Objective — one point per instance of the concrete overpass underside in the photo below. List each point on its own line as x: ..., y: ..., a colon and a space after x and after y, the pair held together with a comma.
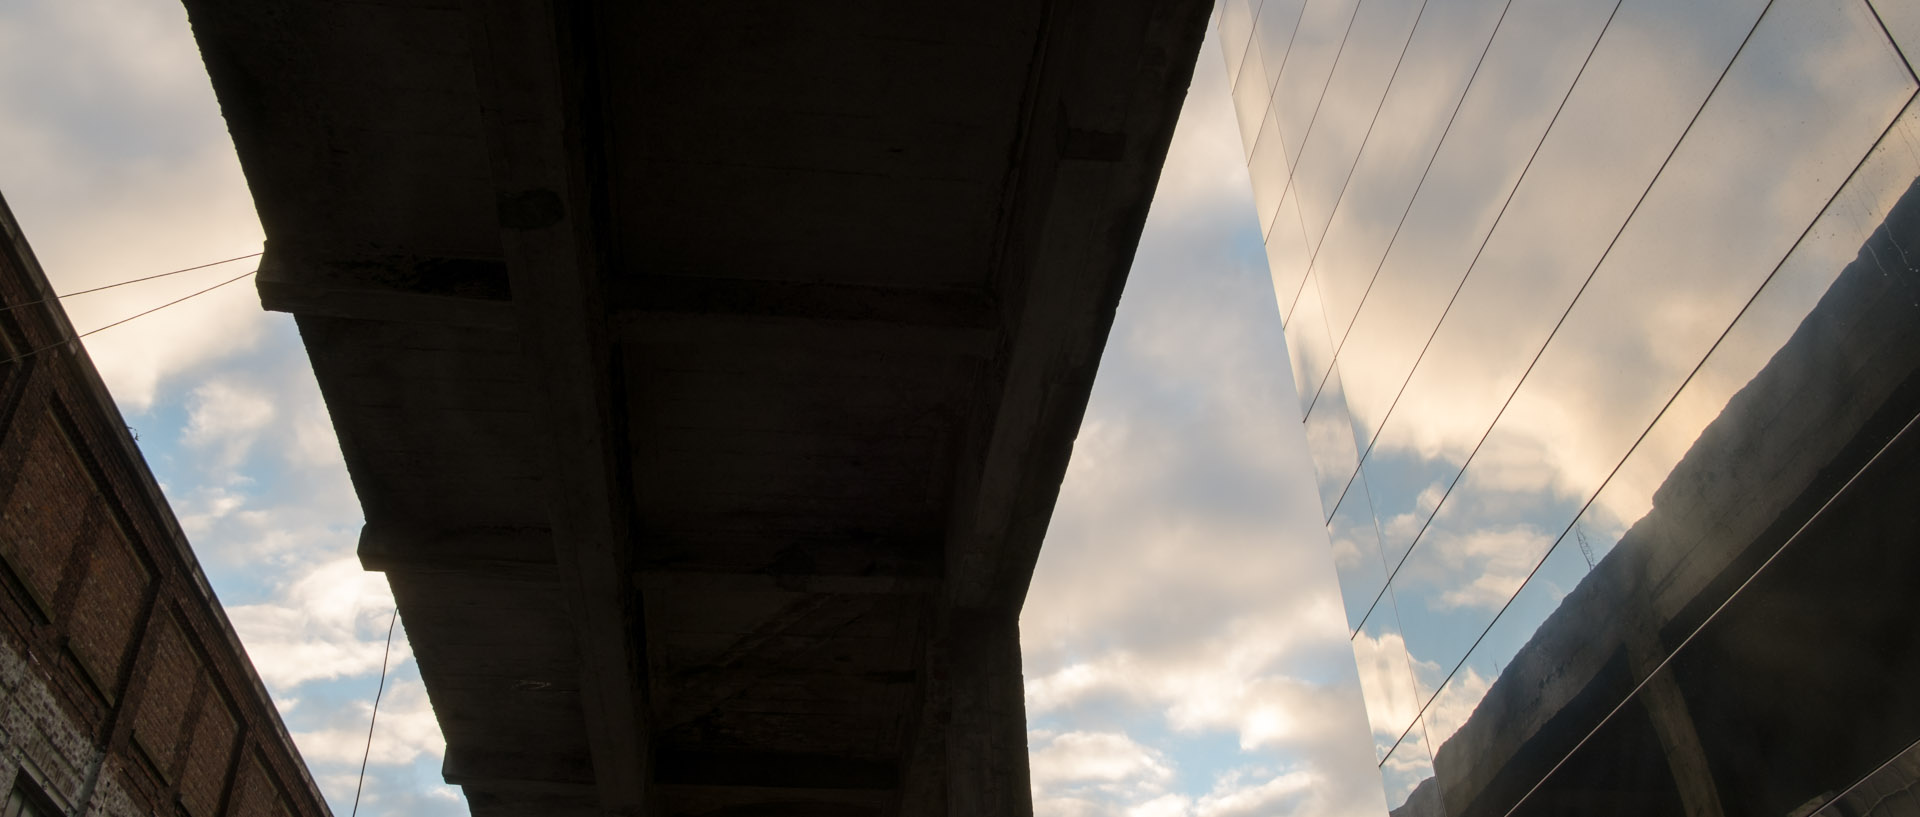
x: 707, y: 371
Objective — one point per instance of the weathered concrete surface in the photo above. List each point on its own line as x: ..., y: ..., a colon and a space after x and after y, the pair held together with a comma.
x: 707, y: 371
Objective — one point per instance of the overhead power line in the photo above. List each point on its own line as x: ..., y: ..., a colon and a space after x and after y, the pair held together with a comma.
x: 60, y: 343
x: 375, y: 718
x: 65, y: 296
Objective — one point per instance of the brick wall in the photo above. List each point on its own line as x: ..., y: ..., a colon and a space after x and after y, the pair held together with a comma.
x: 123, y: 690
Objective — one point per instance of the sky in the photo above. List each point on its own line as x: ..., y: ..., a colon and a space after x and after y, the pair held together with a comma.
x: 1184, y: 642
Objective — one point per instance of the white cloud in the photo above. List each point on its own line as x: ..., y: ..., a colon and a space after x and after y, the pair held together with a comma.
x: 228, y: 416
x: 1166, y: 805
x: 1098, y: 759
x: 327, y: 623
x: 1279, y: 795
x: 1187, y: 582
x: 132, y: 174
x: 404, y: 730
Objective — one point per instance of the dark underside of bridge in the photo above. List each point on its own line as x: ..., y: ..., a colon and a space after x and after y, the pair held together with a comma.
x: 707, y: 370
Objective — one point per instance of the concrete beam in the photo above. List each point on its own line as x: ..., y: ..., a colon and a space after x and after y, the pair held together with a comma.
x: 537, y: 72
x: 772, y: 770
x: 692, y: 309
x: 1086, y: 170
x: 407, y: 289
x: 517, y: 772
x: 514, y: 553
x: 848, y: 585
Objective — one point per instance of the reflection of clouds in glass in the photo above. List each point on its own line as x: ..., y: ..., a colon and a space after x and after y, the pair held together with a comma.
x: 1527, y: 69
x: 1425, y: 92
x: 1619, y: 354
x: 1451, y: 708
x: 1483, y: 567
x: 1408, y: 767
x: 1385, y: 684
x: 1348, y: 106
x: 1706, y: 234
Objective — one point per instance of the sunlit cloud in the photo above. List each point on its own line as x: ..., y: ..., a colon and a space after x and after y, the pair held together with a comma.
x: 1185, y: 595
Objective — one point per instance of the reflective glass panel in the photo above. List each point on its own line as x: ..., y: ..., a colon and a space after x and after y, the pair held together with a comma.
x: 1273, y: 35
x: 1268, y: 169
x: 1303, y: 80
x: 1902, y: 19
x: 1802, y: 388
x: 1286, y: 257
x: 1307, y: 346
x: 1408, y: 776
x: 1360, y: 77
x: 1889, y: 792
x: 1706, y: 236
x: 1397, y: 473
x: 1797, y: 687
x: 1528, y: 69
x: 1330, y: 442
x: 1425, y: 93
x: 1609, y: 141
x: 1249, y: 101
x: 1236, y: 31
x: 1385, y: 682
x: 1356, y: 554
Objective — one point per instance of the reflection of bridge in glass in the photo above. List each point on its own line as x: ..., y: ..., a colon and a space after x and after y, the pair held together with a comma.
x: 1681, y: 677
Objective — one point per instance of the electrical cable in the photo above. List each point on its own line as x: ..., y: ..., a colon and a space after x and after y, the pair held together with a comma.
x: 60, y: 343
x: 11, y: 307
x: 375, y: 718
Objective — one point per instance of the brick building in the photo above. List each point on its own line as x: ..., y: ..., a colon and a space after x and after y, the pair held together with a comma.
x: 123, y: 689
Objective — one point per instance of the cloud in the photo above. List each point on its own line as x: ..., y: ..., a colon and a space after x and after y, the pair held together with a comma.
x: 132, y: 174
x: 1279, y: 795
x: 228, y: 416
x: 404, y: 730
x: 1183, y: 640
x: 327, y: 623
x: 1108, y: 760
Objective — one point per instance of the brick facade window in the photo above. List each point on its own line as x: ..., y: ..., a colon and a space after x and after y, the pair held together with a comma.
x: 27, y: 800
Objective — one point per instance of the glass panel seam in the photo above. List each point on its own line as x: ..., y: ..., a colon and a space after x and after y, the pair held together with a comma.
x: 1411, y: 678
x: 1891, y: 40
x: 1287, y: 190
x: 1320, y: 385
x: 1374, y: 520
x: 1891, y: 759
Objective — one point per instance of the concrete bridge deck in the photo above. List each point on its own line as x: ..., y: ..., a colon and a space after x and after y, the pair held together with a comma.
x: 707, y: 371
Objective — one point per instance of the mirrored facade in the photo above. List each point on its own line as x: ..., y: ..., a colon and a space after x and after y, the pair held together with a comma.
x: 1605, y: 318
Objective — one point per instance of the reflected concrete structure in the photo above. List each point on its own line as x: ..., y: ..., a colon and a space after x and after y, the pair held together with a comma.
x: 1606, y: 324
x: 707, y: 371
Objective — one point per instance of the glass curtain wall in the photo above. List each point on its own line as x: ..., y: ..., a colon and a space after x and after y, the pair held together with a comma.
x: 1605, y: 319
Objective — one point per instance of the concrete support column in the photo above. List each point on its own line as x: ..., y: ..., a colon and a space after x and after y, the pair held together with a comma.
x: 968, y: 754
x: 1666, y: 705
x: 986, y: 743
